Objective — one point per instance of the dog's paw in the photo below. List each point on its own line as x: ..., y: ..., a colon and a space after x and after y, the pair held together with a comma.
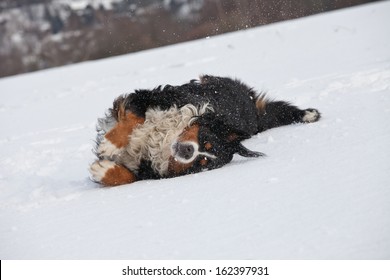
x: 109, y: 173
x: 108, y: 149
x: 99, y: 168
x: 311, y: 115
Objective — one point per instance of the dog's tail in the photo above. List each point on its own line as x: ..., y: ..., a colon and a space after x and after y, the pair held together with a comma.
x: 272, y: 113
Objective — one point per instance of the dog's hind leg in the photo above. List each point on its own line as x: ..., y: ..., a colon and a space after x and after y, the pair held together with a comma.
x: 117, y: 138
x: 278, y: 113
x: 109, y: 173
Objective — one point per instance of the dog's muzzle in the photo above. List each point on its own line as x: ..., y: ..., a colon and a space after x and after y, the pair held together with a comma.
x: 183, y: 150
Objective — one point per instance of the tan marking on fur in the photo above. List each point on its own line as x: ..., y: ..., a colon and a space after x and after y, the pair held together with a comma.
x: 208, y: 146
x: 119, y: 134
x: 203, y: 161
x: 118, y: 175
x: 176, y: 168
x: 261, y: 103
x: 190, y: 134
x: 231, y: 137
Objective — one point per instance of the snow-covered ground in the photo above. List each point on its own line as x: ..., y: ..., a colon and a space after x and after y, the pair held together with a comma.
x: 323, y: 191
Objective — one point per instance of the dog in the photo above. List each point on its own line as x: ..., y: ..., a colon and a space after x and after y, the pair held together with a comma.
x: 176, y: 130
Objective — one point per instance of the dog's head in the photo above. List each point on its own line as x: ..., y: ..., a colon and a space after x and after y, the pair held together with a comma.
x: 206, y: 144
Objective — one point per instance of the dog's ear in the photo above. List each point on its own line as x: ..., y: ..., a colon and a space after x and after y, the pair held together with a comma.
x: 240, y: 149
x: 245, y: 152
x: 232, y: 137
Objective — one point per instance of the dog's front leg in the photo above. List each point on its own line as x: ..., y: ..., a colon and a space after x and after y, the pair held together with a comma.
x: 111, y: 174
x: 117, y: 138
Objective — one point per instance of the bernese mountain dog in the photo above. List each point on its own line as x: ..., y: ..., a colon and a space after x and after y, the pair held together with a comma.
x: 176, y: 130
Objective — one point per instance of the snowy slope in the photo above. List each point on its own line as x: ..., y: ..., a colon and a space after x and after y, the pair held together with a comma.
x: 323, y: 191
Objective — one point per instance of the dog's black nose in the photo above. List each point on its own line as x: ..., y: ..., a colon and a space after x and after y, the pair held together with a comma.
x: 184, y: 150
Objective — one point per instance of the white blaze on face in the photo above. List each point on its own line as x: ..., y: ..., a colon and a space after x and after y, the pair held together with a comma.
x: 196, y: 153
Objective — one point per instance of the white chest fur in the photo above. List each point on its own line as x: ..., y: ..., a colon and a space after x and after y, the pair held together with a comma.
x: 153, y: 139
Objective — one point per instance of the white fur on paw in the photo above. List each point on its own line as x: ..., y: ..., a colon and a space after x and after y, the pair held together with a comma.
x: 311, y: 115
x: 107, y: 149
x: 99, y: 168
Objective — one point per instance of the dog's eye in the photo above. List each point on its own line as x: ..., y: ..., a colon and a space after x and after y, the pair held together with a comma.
x: 204, y: 161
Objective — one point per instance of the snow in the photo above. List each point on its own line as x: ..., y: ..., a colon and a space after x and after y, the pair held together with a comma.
x: 322, y: 192
x: 82, y: 4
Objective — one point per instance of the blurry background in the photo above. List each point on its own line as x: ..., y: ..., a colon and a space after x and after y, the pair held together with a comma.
x: 38, y: 34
